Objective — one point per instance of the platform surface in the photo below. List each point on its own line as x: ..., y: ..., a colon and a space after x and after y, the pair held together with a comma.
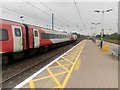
x: 97, y: 69
x: 84, y: 66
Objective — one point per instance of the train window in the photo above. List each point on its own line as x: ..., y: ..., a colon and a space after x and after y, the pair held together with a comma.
x: 46, y: 36
x: 61, y: 36
x: 50, y: 36
x: 64, y: 36
x: 3, y: 35
x: 17, y: 32
x: 58, y: 36
x: 36, y: 33
x: 42, y: 35
x: 53, y: 36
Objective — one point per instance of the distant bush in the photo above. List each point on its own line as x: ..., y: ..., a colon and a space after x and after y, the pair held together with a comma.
x: 114, y: 36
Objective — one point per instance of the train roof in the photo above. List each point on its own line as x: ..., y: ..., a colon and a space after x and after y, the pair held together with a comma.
x: 15, y: 22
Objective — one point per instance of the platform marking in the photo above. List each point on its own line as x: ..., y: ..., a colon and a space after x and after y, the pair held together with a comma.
x: 46, y: 67
x: 77, y: 66
x: 53, y: 76
x: 67, y: 60
x: 46, y: 77
x: 72, y: 56
x: 68, y: 76
x: 38, y: 72
x: 32, y: 85
x: 38, y: 79
x: 62, y: 66
x: 59, y: 66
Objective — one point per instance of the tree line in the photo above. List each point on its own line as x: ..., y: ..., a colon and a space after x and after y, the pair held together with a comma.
x: 114, y: 36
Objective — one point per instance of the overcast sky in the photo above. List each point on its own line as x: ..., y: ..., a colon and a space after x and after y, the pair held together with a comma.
x: 38, y: 12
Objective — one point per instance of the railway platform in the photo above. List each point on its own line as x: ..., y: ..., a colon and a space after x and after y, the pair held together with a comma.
x: 83, y: 66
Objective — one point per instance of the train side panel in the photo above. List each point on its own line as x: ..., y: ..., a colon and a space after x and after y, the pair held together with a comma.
x: 44, y: 41
x: 53, y: 37
x: 6, y: 39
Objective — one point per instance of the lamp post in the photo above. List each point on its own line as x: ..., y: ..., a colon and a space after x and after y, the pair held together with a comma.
x: 102, y: 31
x: 52, y: 21
x: 95, y: 24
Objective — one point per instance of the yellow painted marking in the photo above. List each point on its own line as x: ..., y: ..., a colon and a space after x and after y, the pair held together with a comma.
x: 31, y: 83
x: 66, y: 79
x: 74, y: 53
x: 67, y: 60
x: 59, y: 66
x: 77, y: 66
x: 38, y: 79
x: 72, y: 56
x: 62, y: 66
x: 54, y: 66
x: 42, y: 78
x: 54, y: 78
x: 61, y: 73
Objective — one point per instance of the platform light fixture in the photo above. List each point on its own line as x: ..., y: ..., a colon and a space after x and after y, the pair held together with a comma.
x: 102, y: 31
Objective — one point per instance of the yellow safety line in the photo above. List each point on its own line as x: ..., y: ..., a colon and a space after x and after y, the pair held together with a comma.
x: 75, y: 51
x: 77, y: 65
x: 38, y: 79
x: 54, y: 66
x: 55, y: 79
x: 59, y: 66
x: 60, y: 73
x: 31, y: 83
x: 66, y: 79
x: 67, y: 60
x: 42, y: 78
x: 73, y: 54
x: 70, y: 56
x: 62, y: 66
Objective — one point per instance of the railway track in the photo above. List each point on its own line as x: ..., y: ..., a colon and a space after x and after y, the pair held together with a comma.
x: 13, y: 79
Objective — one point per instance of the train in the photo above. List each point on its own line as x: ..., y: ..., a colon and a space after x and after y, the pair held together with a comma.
x: 18, y: 40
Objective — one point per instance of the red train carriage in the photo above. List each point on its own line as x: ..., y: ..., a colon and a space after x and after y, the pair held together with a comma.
x: 19, y: 40
x: 12, y: 38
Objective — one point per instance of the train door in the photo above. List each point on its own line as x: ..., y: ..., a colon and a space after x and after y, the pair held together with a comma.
x: 17, y: 38
x: 36, y: 38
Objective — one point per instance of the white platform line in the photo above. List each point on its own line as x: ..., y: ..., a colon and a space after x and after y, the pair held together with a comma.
x: 38, y: 72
